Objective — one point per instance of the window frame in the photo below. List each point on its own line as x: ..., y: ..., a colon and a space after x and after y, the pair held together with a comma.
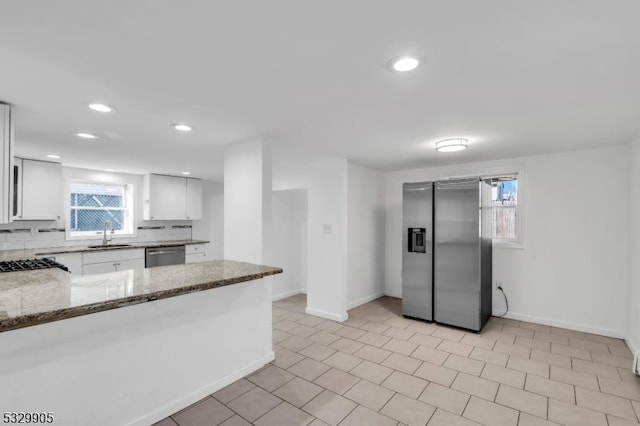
x: 129, y: 230
x: 510, y: 242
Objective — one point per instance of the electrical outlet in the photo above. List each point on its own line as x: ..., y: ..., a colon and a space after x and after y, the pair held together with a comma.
x: 326, y: 228
x: 499, y: 284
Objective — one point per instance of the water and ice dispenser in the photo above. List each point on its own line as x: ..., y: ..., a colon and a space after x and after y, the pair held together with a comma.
x: 417, y: 240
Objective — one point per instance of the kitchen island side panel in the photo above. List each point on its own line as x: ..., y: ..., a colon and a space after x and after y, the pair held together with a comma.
x: 138, y: 364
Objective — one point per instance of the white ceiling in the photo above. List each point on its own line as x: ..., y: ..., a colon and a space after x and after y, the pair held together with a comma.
x: 515, y: 77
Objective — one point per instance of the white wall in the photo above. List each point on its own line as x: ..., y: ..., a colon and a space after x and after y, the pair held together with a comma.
x: 633, y: 295
x: 288, y: 247
x: 325, y: 178
x: 247, y: 200
x: 365, y: 245
x: 572, y: 271
x: 211, y: 226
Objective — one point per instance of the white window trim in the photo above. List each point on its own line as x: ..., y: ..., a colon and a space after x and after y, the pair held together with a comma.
x: 129, y: 232
x: 516, y: 169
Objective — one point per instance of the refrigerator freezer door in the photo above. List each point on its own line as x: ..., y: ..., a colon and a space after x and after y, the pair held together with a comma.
x: 457, y: 253
x: 417, y: 250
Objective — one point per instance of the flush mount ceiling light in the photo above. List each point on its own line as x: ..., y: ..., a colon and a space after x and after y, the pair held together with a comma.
x: 181, y: 127
x: 404, y: 63
x: 53, y: 156
x: 86, y: 135
x: 186, y: 173
x: 101, y: 107
x: 451, y: 145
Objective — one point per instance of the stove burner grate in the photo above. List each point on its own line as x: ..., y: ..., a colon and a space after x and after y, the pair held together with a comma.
x: 30, y: 265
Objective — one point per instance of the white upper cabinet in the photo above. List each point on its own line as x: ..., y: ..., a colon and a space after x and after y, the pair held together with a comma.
x: 38, y: 190
x: 165, y: 197
x: 6, y: 160
x: 172, y: 198
x: 194, y: 199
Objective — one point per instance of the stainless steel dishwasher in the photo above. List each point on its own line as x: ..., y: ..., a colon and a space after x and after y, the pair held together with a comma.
x: 161, y: 256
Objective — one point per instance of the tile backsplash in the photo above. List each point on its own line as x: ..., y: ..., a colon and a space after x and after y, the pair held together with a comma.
x: 29, y: 235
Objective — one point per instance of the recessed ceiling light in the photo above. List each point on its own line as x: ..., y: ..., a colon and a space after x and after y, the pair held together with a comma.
x: 181, y: 127
x: 101, y: 107
x: 53, y: 156
x: 109, y: 170
x: 451, y: 145
x: 186, y: 173
x: 86, y: 136
x: 404, y: 63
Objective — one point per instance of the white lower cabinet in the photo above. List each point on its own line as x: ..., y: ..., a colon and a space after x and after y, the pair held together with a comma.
x: 130, y: 264
x: 99, y: 262
x: 73, y: 261
x: 99, y: 268
x: 195, y: 253
x: 103, y: 261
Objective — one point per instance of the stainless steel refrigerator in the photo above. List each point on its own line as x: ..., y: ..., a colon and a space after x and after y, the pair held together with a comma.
x: 417, y: 254
x: 450, y: 282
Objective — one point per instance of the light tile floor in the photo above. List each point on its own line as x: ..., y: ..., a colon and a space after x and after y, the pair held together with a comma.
x: 379, y: 368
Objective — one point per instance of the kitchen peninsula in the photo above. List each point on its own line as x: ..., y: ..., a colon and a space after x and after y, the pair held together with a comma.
x: 130, y: 347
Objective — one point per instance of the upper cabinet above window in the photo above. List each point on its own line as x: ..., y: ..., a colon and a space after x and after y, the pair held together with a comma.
x: 172, y: 198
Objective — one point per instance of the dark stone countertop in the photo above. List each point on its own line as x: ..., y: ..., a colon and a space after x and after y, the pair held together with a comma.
x: 36, y: 297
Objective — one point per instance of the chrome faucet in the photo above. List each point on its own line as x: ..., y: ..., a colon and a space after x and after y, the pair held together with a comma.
x: 105, y: 241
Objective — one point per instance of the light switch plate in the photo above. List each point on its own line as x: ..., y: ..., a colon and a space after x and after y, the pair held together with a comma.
x: 326, y: 228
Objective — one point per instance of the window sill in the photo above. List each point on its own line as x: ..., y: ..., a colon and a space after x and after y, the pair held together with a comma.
x: 99, y: 237
x: 510, y: 245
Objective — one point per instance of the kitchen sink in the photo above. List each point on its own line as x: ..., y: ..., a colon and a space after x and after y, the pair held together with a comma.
x: 109, y: 245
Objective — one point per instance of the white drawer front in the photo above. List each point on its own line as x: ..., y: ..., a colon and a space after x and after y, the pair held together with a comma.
x: 196, y: 257
x: 112, y: 255
x: 195, y: 248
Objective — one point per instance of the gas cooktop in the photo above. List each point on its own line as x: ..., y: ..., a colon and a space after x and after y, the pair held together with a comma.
x: 30, y: 265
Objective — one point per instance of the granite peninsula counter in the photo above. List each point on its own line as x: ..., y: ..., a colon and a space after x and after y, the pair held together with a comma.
x: 130, y: 347
x: 35, y: 297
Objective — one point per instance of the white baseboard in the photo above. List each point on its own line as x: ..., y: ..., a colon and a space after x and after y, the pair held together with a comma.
x: 364, y: 300
x: 197, y: 395
x: 285, y: 295
x: 327, y: 315
x: 635, y: 350
x: 564, y: 324
x: 632, y: 346
x: 396, y: 294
